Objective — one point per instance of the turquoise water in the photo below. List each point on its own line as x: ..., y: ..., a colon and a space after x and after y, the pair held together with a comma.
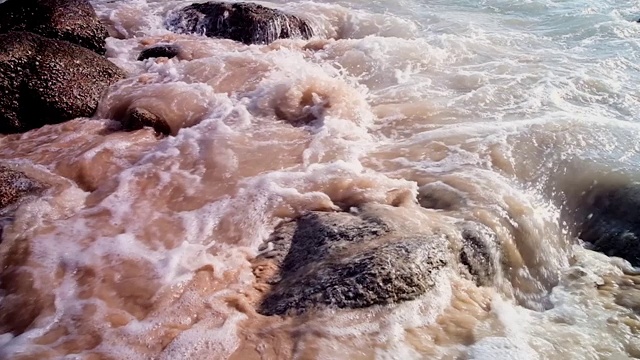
x: 545, y: 62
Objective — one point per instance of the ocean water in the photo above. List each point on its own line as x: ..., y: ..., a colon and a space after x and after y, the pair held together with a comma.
x: 504, y: 110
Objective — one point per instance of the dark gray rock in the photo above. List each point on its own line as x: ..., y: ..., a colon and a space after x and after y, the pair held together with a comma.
x: 136, y: 118
x: 245, y: 22
x: 70, y: 20
x: 611, y: 222
x: 44, y: 81
x: 168, y: 51
x: 343, y: 260
x: 479, y: 255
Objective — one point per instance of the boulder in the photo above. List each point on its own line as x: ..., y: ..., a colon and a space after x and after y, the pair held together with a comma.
x: 71, y: 20
x: 45, y: 81
x: 345, y: 260
x: 245, y: 22
x: 611, y: 222
x: 168, y: 51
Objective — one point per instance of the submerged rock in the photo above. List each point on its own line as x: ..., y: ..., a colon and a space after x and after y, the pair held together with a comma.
x: 136, y: 118
x: 245, y: 22
x: 14, y: 185
x: 612, y: 222
x: 478, y: 254
x: 70, y: 20
x: 45, y: 81
x: 345, y: 260
x: 168, y: 51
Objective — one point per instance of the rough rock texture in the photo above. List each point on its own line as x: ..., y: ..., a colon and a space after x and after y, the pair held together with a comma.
x: 612, y: 222
x: 168, y: 51
x: 245, y: 22
x: 71, y: 20
x: 44, y: 81
x: 351, y: 261
x: 479, y: 252
x: 136, y: 118
x: 14, y: 185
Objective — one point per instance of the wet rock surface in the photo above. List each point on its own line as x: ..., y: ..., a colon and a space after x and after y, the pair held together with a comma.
x: 70, y: 20
x: 169, y: 51
x: 45, y: 81
x: 136, y: 118
x: 345, y: 260
x: 14, y: 185
x: 245, y: 22
x: 478, y: 254
x: 612, y: 222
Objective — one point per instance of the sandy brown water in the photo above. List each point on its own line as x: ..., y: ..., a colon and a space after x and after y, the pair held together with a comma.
x: 142, y: 246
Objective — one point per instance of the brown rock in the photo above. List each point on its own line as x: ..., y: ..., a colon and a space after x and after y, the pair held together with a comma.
x: 14, y: 185
x: 44, y: 81
x: 71, y: 20
x: 245, y: 22
x: 137, y: 118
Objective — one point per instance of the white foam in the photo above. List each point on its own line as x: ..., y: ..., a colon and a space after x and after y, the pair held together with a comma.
x: 469, y: 96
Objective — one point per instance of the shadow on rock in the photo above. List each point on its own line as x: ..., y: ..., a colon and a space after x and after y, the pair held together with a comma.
x: 245, y: 22
x: 478, y: 253
x: 167, y: 50
x: 137, y: 118
x: 611, y: 221
x: 345, y: 260
x: 45, y: 81
x: 70, y: 20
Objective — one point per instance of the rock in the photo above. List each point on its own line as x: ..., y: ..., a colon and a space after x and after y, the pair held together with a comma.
x: 70, y: 20
x: 14, y: 185
x: 136, y: 118
x: 343, y: 260
x: 168, y: 51
x: 479, y: 253
x: 44, y: 81
x: 440, y: 196
x: 611, y: 222
x: 245, y: 22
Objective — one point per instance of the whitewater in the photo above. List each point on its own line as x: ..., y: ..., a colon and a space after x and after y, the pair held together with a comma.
x: 501, y: 112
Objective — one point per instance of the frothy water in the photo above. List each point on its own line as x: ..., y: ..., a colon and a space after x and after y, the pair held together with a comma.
x: 496, y: 111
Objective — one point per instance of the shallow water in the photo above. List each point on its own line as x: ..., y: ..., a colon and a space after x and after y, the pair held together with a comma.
x: 496, y: 111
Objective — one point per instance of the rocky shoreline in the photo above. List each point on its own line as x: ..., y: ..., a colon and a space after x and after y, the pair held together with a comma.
x: 53, y: 69
x: 49, y: 73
